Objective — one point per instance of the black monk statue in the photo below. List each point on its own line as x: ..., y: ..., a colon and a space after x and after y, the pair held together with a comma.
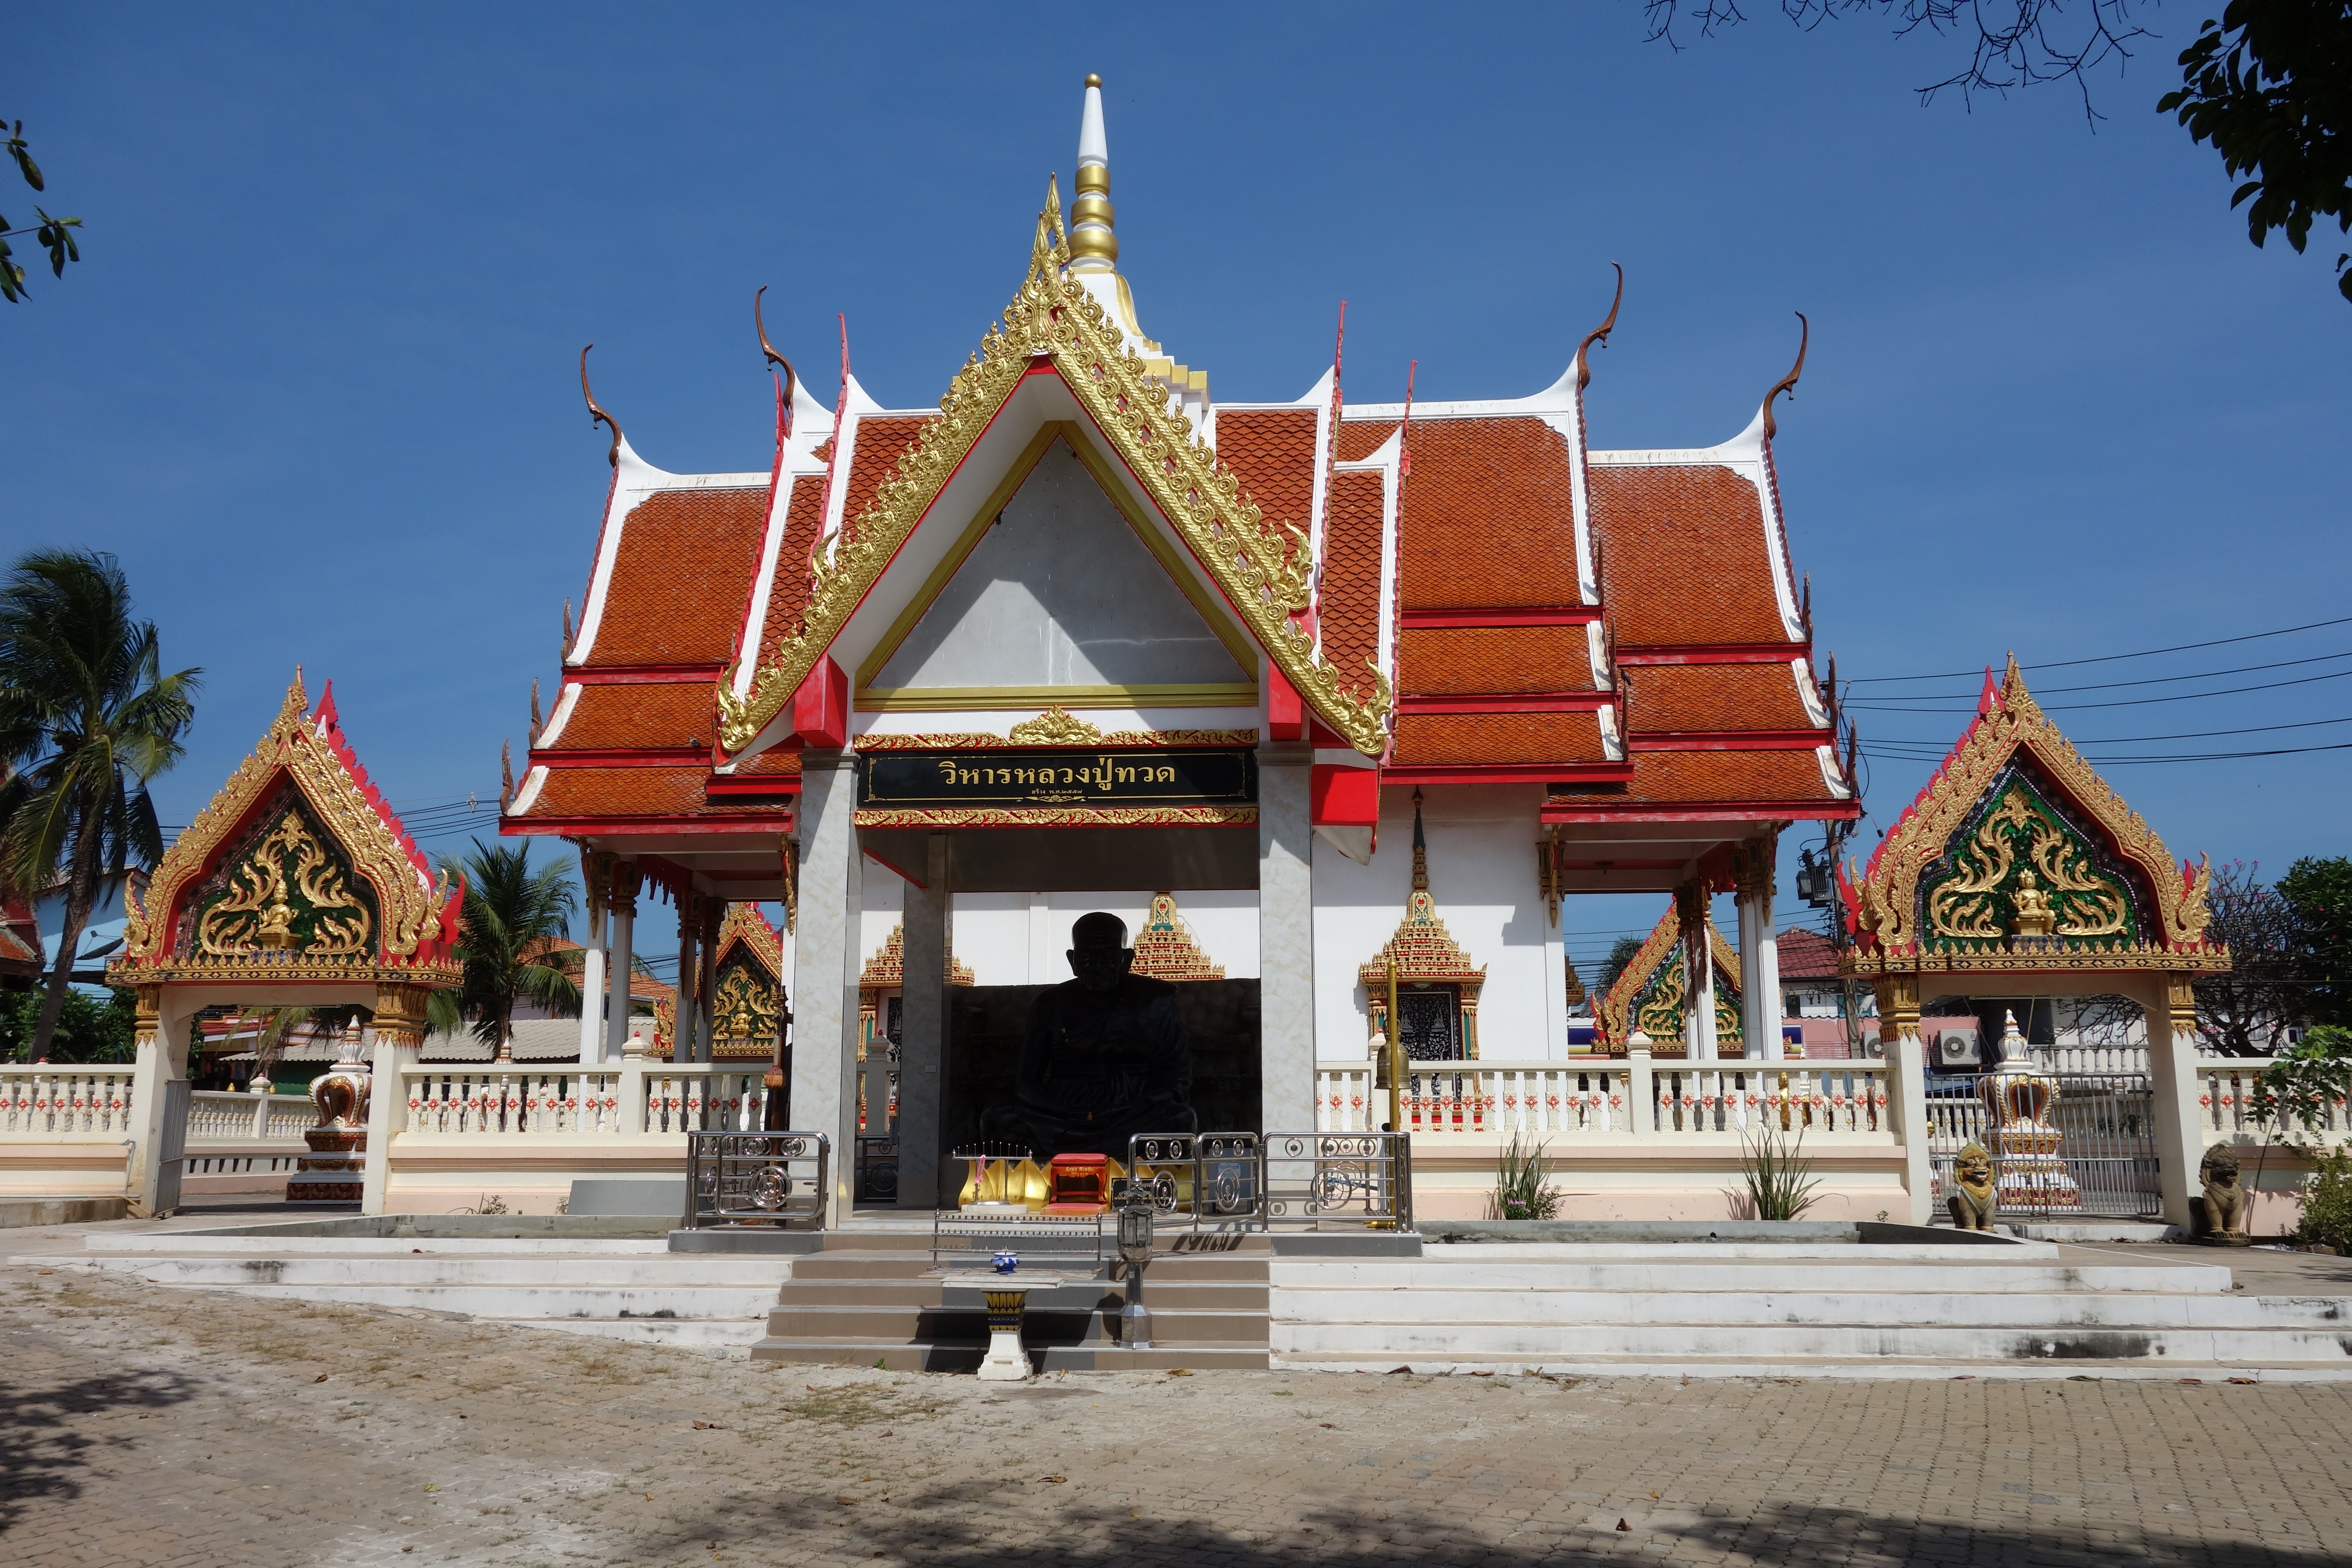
x: 1104, y: 1059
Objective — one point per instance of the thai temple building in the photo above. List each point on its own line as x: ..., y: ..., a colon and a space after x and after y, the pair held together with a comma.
x: 1332, y: 677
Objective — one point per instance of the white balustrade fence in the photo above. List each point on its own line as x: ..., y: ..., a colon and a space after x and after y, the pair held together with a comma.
x: 43, y: 1100
x: 1623, y: 1096
x: 2118, y: 1058
x: 633, y: 1096
x: 219, y: 1117
x: 2227, y: 1111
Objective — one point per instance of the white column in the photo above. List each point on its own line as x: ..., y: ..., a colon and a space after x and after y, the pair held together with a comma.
x: 824, y: 1030
x: 922, y: 1025
x: 162, y: 1056
x: 591, y: 987
x: 1907, y: 1089
x: 1046, y: 964
x: 1759, y: 956
x: 625, y: 919
x: 1285, y: 935
x: 2170, y: 1005
x: 706, y: 990
x: 682, y: 1049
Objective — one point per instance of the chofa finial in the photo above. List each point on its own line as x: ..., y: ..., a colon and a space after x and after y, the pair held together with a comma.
x: 792, y: 380
x: 1599, y: 334
x: 1789, y: 383
x: 596, y: 415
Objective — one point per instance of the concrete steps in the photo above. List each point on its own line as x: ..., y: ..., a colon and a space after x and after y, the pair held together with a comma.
x: 626, y: 1291
x: 1835, y: 1312
x: 864, y: 1302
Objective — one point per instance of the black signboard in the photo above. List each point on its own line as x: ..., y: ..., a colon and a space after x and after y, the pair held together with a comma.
x: 1012, y: 779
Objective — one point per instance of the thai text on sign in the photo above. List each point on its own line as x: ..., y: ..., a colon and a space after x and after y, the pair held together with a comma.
x: 1225, y: 777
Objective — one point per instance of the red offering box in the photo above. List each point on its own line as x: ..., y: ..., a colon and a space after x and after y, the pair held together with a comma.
x: 1080, y: 1183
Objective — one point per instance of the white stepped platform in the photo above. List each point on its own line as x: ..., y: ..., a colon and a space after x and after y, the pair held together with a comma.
x: 631, y: 1291
x: 1846, y: 1312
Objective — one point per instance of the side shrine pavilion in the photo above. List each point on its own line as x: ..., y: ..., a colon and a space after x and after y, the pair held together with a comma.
x: 1079, y: 626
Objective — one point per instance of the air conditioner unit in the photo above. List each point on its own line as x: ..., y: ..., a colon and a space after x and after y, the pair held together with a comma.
x: 1958, y: 1049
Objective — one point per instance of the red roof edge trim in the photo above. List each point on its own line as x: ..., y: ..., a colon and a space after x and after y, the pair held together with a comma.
x: 324, y: 717
x: 1508, y: 702
x: 1571, y: 809
x: 621, y: 757
x: 1727, y: 740
x: 1565, y: 615
x: 644, y: 674
x: 1511, y: 773
x: 778, y: 821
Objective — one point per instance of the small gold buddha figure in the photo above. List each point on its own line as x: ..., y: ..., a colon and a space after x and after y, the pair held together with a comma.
x: 2034, y: 916
x: 275, y: 930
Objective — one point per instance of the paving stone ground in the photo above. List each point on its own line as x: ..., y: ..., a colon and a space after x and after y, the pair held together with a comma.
x: 156, y: 1427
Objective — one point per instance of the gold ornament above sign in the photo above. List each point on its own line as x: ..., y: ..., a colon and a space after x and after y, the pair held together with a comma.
x: 1265, y: 576
x: 1026, y: 734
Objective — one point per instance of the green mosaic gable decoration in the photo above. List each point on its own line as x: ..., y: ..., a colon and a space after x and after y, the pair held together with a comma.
x: 284, y: 887
x: 2019, y: 867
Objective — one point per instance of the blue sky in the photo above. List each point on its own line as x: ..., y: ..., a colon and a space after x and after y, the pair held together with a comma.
x: 315, y: 382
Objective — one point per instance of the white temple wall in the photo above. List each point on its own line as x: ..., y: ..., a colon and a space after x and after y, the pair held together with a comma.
x: 1021, y: 938
x: 1482, y: 873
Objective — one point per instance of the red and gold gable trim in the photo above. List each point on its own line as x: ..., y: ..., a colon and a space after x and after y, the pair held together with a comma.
x: 745, y: 927
x: 1053, y: 319
x: 1165, y: 949
x: 2017, y: 854
x: 1616, y: 1014
x: 288, y: 911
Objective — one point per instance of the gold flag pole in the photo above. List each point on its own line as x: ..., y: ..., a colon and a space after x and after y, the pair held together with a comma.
x: 1396, y: 1055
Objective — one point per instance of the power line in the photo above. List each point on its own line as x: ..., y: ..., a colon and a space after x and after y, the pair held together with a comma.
x: 2134, y: 740
x: 2187, y: 757
x: 1971, y: 696
x: 2122, y: 703
x: 2111, y: 658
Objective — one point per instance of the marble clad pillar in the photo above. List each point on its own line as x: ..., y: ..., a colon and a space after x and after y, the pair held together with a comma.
x: 623, y: 902
x: 398, y: 1034
x: 1285, y: 935
x: 706, y: 1015
x: 689, y: 972
x: 922, y: 1056
x: 596, y: 878
x: 1906, y: 1086
x: 825, y: 966
x: 1759, y: 950
x: 1698, y: 973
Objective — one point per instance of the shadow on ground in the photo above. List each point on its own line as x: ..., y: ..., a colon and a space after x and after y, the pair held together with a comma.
x: 959, y: 1535
x: 42, y: 1457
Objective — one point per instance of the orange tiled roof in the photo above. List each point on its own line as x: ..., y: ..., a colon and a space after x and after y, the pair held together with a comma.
x: 1688, y: 778
x: 1714, y: 698
x: 641, y: 792
x: 1350, y: 597
x: 680, y: 578
x: 788, y: 593
x: 1272, y: 452
x: 1434, y: 660
x: 1682, y: 556
x: 1477, y: 740
x: 633, y: 716
x: 1487, y: 523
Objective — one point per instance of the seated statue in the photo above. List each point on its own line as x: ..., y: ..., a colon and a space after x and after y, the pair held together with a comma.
x: 1973, y: 1203
x: 1104, y: 1057
x: 2219, y: 1210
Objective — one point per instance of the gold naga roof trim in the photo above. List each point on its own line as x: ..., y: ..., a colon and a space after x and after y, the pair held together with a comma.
x: 2017, y: 856
x: 1056, y: 319
x: 295, y: 870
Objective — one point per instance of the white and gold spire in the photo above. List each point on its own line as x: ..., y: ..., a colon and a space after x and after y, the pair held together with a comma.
x: 1094, y: 248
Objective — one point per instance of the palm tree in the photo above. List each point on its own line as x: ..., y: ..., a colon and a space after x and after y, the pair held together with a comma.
x: 512, y: 913
x: 86, y: 717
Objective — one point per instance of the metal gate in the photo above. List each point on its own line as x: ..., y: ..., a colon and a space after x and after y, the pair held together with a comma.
x: 2107, y: 1123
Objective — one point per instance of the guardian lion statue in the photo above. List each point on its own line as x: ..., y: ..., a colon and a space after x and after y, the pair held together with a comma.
x: 1974, y: 1201
x: 2222, y: 1211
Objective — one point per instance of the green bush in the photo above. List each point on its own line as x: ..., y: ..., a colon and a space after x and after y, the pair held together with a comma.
x: 1520, y: 1191
x: 88, y: 1030
x: 2327, y: 1203
x: 1779, y: 1178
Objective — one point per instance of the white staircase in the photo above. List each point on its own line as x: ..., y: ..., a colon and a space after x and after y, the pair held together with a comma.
x: 634, y: 1289
x: 1872, y: 1311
